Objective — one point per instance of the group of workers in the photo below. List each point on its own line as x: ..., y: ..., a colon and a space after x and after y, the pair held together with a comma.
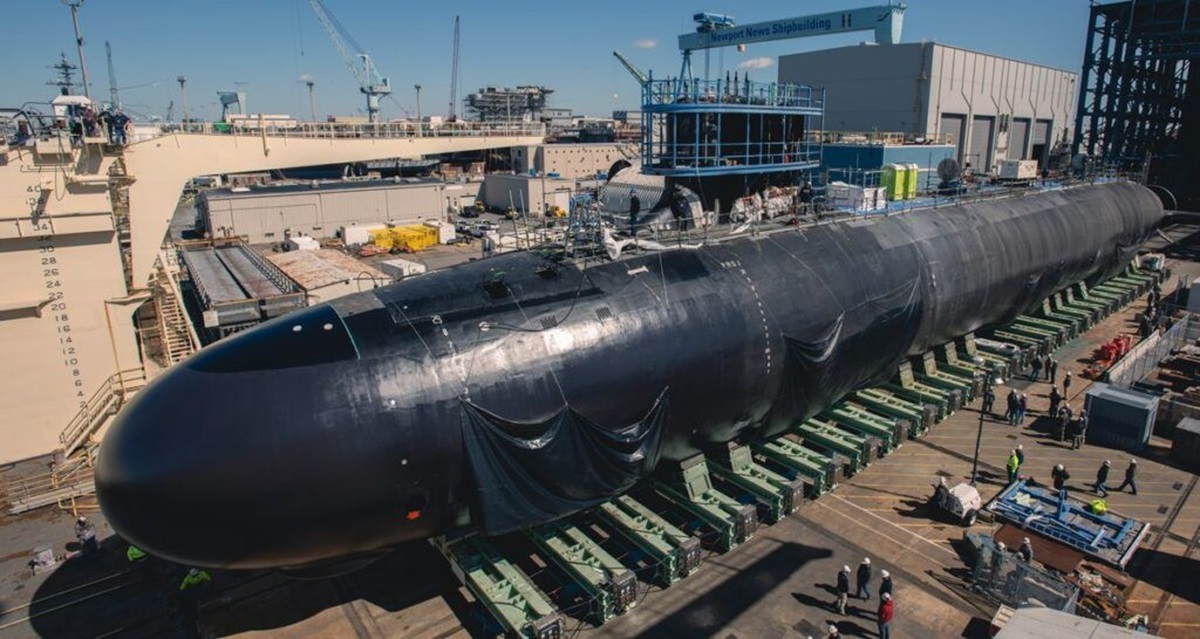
x: 862, y: 578
x: 85, y: 121
x: 89, y: 545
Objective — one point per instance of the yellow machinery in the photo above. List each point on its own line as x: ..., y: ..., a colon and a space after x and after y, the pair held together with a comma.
x: 405, y: 238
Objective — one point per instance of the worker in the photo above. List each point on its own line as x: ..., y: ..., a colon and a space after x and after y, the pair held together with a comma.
x: 1064, y: 420
x: 1014, y: 403
x: 1067, y: 384
x: 1055, y: 401
x: 1022, y: 407
x: 1013, y: 465
x: 194, y: 577
x: 863, y: 579
x: 885, y: 583
x: 989, y: 398
x: 1052, y: 371
x: 1020, y: 455
x: 85, y: 533
x: 1081, y: 424
x: 1026, y: 550
x: 1130, y: 473
x: 1102, y: 479
x: 833, y: 633
x: 886, y: 609
x: 135, y: 554
x: 1060, y: 477
x: 1035, y: 371
x: 843, y: 589
x: 806, y: 198
x: 635, y: 207
x: 998, y: 557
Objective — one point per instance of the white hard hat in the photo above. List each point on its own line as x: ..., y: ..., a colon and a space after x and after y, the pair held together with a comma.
x: 1025, y: 540
x: 1133, y: 461
x: 866, y: 560
x: 1000, y: 545
x: 833, y: 629
x: 885, y: 574
x: 1107, y: 463
x: 82, y: 519
x: 193, y: 572
x: 845, y: 568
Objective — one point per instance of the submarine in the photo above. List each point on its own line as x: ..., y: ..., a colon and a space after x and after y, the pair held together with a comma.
x: 519, y: 389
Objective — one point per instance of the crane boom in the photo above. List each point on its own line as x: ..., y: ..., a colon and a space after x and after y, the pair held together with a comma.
x: 637, y: 73
x: 370, y: 83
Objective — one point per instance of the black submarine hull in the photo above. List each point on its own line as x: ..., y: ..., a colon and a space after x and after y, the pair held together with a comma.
x: 516, y: 390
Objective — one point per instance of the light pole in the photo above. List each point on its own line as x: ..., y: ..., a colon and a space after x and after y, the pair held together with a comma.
x: 987, y: 386
x: 418, y: 88
x: 183, y: 91
x: 312, y: 101
x: 74, y: 5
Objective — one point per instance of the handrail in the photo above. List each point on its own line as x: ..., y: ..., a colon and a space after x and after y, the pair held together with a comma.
x: 289, y: 128
x: 114, y: 388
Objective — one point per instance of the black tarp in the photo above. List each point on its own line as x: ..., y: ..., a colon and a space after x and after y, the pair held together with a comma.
x: 533, y: 472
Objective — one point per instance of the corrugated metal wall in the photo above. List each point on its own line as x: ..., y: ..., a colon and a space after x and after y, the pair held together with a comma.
x: 263, y: 217
x: 983, y: 130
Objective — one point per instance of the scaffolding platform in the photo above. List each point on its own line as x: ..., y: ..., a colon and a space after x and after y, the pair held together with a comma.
x: 1108, y: 537
x: 237, y: 287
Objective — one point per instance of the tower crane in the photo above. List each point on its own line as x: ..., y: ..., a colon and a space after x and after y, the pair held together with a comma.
x: 370, y: 83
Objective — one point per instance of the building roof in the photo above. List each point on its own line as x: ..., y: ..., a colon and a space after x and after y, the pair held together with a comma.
x: 349, y: 185
x: 1044, y: 623
x: 931, y: 43
x: 316, y: 269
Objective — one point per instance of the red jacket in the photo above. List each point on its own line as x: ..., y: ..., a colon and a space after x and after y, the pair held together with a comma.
x: 885, y: 611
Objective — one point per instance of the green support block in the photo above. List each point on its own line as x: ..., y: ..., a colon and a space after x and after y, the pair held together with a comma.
x: 1062, y: 331
x: 780, y: 495
x: 859, y: 420
x: 1078, y: 324
x: 676, y: 555
x: 502, y: 588
x: 1000, y: 363
x: 693, y: 491
x: 611, y: 586
x: 857, y: 450
x: 823, y: 473
x: 908, y: 386
x: 919, y: 417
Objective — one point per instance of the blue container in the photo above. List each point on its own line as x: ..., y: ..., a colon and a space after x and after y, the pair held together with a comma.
x: 1120, y: 418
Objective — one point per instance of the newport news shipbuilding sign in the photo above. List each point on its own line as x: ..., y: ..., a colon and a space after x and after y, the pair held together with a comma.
x: 886, y: 22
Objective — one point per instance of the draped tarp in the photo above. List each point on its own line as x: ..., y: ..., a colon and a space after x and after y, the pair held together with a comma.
x: 528, y: 473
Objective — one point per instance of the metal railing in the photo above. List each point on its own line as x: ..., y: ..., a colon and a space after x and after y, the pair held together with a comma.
x: 1144, y: 358
x: 674, y: 91
x: 344, y: 131
x: 105, y: 401
x: 1005, y: 578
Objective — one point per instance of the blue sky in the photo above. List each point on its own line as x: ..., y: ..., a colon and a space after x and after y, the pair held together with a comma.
x: 264, y: 46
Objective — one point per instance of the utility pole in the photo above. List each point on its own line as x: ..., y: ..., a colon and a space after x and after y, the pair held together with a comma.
x: 454, y: 76
x: 113, y: 95
x: 74, y: 5
x: 418, y: 88
x: 182, y: 80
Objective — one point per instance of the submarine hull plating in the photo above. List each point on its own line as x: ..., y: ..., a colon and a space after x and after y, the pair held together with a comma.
x: 516, y: 390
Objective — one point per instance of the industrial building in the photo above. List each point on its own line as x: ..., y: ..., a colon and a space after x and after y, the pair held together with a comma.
x: 268, y: 214
x: 990, y: 108
x: 526, y: 193
x: 570, y: 161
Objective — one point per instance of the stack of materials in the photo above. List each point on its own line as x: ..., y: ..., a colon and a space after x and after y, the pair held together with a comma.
x: 841, y: 195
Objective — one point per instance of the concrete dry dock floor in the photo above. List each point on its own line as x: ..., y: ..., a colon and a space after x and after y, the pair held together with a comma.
x: 779, y: 584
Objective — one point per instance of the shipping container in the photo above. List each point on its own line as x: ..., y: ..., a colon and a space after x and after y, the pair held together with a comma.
x: 1119, y: 418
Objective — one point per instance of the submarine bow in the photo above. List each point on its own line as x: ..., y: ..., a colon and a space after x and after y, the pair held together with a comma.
x: 512, y: 391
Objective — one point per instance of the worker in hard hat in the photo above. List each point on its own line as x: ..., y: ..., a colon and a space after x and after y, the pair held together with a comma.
x: 85, y: 533
x: 635, y: 207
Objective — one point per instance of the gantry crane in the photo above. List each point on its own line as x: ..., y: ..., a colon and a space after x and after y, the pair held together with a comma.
x: 370, y: 83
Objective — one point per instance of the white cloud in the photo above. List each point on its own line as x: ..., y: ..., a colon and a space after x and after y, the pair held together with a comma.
x: 646, y: 43
x: 756, y: 63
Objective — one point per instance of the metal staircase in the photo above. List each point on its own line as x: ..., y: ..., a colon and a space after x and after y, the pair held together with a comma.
x: 179, y: 338
x: 70, y: 475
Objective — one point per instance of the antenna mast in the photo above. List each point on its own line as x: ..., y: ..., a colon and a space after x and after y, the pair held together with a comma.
x: 74, y: 5
x: 113, y: 96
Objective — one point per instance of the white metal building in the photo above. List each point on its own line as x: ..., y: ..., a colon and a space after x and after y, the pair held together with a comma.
x: 991, y: 108
x: 264, y: 214
x: 568, y: 161
x: 522, y: 192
